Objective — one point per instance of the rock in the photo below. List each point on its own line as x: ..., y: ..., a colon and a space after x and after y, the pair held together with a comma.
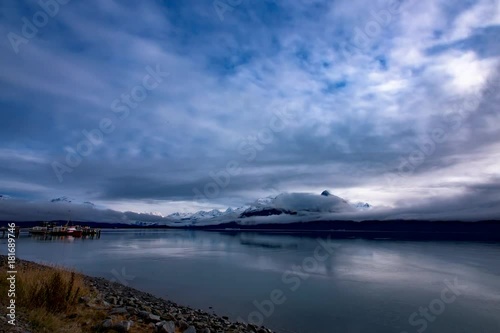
x: 112, y: 300
x: 123, y: 326
x: 132, y: 310
x: 168, y: 317
x: 108, y: 323
x: 143, y: 314
x: 166, y: 327
x: 119, y: 311
x: 182, y: 325
x: 153, y: 318
x: 190, y: 329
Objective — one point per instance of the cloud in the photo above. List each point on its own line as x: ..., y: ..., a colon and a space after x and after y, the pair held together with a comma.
x: 474, y: 203
x: 312, y: 203
x: 357, y: 111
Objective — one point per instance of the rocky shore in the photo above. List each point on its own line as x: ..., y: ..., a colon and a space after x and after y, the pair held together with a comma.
x: 161, y: 315
x: 129, y: 310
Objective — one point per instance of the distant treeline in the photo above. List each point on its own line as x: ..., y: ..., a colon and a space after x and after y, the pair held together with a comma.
x: 394, y: 229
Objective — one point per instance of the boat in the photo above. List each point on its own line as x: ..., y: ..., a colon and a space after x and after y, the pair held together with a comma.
x: 38, y: 230
x: 41, y: 230
x: 59, y: 231
x: 75, y: 231
x: 67, y: 230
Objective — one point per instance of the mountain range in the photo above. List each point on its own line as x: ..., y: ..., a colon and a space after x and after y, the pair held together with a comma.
x: 293, y: 204
x: 286, y: 206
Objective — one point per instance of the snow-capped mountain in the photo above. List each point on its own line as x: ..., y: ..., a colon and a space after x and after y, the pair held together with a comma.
x: 155, y: 214
x: 285, y: 205
x: 325, y: 193
x: 145, y: 224
x: 198, y: 216
x: 264, y: 202
x: 236, y: 211
x: 179, y: 215
x: 282, y: 204
x: 306, y: 202
x: 206, y: 214
x: 362, y: 205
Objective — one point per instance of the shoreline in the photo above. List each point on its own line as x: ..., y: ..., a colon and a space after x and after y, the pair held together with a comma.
x: 483, y: 230
x: 130, y: 310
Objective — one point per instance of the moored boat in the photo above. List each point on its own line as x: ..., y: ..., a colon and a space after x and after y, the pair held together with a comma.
x: 38, y: 230
x: 74, y: 231
x: 65, y: 230
x: 41, y: 230
x: 59, y: 231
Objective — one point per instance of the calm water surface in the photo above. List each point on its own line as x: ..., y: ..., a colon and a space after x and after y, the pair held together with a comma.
x: 361, y: 286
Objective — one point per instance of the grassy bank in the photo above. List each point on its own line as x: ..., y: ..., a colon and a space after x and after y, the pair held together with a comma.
x: 48, y: 300
x: 52, y: 299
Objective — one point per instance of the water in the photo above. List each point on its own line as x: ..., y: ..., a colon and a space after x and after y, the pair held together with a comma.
x: 349, y: 286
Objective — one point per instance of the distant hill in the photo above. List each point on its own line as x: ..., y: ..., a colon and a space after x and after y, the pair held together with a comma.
x: 393, y: 229
x: 102, y: 225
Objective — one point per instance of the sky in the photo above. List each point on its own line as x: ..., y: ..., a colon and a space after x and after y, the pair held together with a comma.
x: 175, y: 106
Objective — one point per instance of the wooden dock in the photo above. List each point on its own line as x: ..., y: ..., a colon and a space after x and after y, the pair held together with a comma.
x: 85, y: 232
x: 5, y: 231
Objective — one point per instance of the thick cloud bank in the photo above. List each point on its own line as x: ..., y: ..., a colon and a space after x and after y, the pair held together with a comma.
x: 173, y: 106
x: 312, y: 203
x: 479, y: 202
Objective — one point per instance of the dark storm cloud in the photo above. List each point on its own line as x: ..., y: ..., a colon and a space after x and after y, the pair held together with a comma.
x: 352, y: 115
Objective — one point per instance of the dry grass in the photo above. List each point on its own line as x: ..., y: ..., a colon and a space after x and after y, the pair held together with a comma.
x: 48, y: 299
x: 53, y: 290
